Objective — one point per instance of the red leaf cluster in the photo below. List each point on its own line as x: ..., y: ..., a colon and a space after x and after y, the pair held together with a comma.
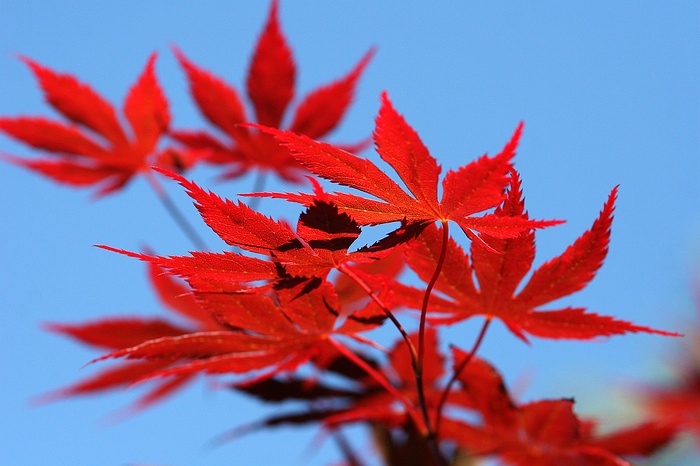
x: 93, y: 147
x: 289, y: 297
x: 278, y: 306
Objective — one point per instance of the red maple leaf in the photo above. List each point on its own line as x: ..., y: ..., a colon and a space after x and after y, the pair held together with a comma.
x: 123, y: 332
x: 545, y: 432
x: 283, y: 322
x: 499, y: 272
x: 473, y: 188
x: 319, y: 244
x: 270, y: 88
x: 93, y: 148
x: 270, y: 333
x: 643, y: 439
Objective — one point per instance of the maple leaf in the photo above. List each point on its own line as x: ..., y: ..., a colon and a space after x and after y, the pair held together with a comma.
x: 319, y: 245
x: 263, y: 333
x: 270, y: 88
x: 473, y: 188
x: 499, y: 272
x: 93, y: 148
x: 544, y: 432
x: 123, y: 332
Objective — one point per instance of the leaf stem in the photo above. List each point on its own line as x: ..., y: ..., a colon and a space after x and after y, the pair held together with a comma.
x: 347, y: 270
x: 381, y: 380
x: 350, y: 456
x: 428, y: 292
x: 458, y: 370
x: 418, y: 367
x: 258, y: 186
x: 175, y: 213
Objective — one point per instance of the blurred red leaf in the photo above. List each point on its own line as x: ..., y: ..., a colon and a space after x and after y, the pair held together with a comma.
x: 93, y: 148
x: 270, y: 86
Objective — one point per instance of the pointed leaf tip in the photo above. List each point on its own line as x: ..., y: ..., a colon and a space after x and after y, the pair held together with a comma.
x: 323, y: 109
x: 400, y: 146
x: 272, y: 72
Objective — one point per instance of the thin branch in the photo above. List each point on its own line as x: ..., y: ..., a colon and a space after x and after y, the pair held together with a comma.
x: 258, y: 186
x: 416, y: 356
x: 357, y: 279
x: 175, y: 213
x: 346, y: 448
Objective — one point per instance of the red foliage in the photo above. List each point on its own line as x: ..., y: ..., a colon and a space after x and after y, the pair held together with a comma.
x: 544, y: 432
x: 273, y: 307
x: 78, y: 157
x: 287, y: 297
x: 676, y: 402
x: 280, y: 311
x: 270, y: 88
x: 473, y: 188
x: 122, y: 332
x: 499, y: 270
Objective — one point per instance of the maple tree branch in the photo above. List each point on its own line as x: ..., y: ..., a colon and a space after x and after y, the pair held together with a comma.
x: 381, y: 380
x: 458, y: 370
x: 366, y: 288
x: 175, y: 213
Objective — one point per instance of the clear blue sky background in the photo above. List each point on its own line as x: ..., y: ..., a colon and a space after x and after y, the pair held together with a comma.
x: 609, y: 92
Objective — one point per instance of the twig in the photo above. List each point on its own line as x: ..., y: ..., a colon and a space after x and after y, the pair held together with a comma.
x: 175, y: 214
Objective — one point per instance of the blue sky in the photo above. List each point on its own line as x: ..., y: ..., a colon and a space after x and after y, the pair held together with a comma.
x: 609, y: 94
